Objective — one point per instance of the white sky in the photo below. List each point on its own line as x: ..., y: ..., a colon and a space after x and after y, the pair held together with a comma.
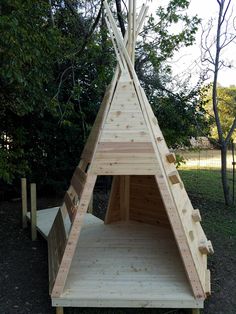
x: 185, y: 59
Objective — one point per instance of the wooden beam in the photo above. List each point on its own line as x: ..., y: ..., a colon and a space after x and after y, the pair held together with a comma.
x: 73, y: 236
x: 33, y: 215
x: 133, y: 32
x: 56, y: 246
x: 59, y: 310
x: 24, y: 201
x: 130, y: 26
x: 208, y: 282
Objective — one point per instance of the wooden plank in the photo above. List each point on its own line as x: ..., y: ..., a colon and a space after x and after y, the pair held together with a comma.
x: 128, y: 169
x: 33, y: 214
x: 179, y: 194
x: 56, y: 246
x: 125, y: 136
x: 59, y: 310
x: 90, y: 146
x: 78, y: 180
x: 45, y: 219
x: 208, y: 282
x: 142, y: 147
x: 71, y: 206
x: 128, y: 303
x: 74, y: 236
x: 109, y: 259
x: 80, y: 175
x: 24, y: 202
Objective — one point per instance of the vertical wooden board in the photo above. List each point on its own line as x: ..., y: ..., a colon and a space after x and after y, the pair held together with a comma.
x: 33, y: 214
x: 146, y: 204
x: 113, y: 209
x: 56, y: 246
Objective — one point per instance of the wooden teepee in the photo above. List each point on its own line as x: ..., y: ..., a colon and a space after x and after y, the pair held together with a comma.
x: 127, y: 143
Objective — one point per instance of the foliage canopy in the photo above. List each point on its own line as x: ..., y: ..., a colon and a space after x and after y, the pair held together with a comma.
x: 55, y: 65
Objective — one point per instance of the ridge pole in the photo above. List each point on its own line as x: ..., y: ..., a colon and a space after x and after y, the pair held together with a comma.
x: 130, y: 28
x: 134, y: 32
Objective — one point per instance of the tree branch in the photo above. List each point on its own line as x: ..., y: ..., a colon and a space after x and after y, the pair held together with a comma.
x: 92, y: 28
x: 120, y: 17
x: 233, y: 127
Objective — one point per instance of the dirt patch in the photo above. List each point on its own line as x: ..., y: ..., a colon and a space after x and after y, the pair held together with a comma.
x: 24, y: 269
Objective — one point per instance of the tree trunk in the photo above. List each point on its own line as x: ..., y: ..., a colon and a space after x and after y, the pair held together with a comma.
x: 224, y: 174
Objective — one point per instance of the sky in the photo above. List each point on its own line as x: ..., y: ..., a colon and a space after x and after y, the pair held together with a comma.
x: 188, y: 59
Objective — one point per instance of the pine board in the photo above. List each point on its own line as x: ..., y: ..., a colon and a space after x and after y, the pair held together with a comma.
x: 127, y: 265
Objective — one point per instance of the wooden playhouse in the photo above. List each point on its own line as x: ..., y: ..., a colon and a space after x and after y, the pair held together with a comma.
x: 151, y: 250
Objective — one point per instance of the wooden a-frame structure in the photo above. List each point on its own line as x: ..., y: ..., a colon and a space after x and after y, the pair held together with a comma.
x: 127, y: 143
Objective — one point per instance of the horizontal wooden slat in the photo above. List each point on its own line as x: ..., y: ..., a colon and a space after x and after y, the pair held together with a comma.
x: 78, y: 180
x: 124, y: 169
x: 123, y: 147
x: 125, y: 136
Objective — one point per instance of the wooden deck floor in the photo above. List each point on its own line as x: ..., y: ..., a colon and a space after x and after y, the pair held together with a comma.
x: 122, y: 265
x: 126, y: 265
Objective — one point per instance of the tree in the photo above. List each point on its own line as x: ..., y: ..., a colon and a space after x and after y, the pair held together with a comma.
x: 50, y: 87
x: 56, y: 60
x: 212, y: 55
x: 226, y: 109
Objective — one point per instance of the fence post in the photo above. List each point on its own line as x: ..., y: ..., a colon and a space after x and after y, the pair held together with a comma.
x: 33, y: 211
x: 24, y: 202
x: 59, y: 310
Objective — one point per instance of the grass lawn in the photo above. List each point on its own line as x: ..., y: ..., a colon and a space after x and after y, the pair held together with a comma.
x: 219, y: 223
x: 205, y: 183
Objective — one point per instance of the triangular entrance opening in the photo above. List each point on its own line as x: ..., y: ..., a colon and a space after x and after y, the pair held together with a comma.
x: 136, y: 198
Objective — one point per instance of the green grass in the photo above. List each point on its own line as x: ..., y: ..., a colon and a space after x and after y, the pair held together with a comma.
x: 204, y: 183
x: 205, y: 190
